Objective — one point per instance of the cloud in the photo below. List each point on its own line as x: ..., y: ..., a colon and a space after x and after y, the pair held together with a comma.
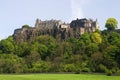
x: 77, y: 8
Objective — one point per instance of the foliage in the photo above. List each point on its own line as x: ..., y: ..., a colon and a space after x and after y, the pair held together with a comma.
x: 111, y: 24
x: 40, y: 66
x: 102, y: 68
x: 85, y: 38
x: 69, y: 68
x: 6, y: 46
x: 42, y: 50
x: 96, y: 38
x: 94, y: 52
x: 10, y: 63
x: 96, y: 61
x: 108, y: 72
x: 91, y: 48
x: 25, y: 26
x: 114, y: 38
x: 85, y: 70
x: 24, y: 49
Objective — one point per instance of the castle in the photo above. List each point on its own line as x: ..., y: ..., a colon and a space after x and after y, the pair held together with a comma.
x: 57, y: 29
x: 84, y: 25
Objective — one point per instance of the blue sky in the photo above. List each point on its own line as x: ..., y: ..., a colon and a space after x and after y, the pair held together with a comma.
x: 15, y: 13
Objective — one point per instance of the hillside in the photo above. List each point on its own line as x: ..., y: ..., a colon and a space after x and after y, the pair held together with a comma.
x: 76, y: 47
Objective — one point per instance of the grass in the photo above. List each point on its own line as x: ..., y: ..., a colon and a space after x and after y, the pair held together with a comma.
x: 58, y: 77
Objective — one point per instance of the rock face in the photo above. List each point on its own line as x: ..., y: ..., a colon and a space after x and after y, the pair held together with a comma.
x: 55, y: 28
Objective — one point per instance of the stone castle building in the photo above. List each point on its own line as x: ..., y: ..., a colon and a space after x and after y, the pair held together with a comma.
x: 56, y: 28
x: 84, y: 25
x: 50, y: 24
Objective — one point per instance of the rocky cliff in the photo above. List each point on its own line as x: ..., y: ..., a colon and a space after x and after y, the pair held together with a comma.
x: 55, y: 28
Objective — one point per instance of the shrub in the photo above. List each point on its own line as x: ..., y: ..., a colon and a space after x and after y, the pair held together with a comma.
x: 10, y: 63
x: 69, y: 68
x: 108, y: 72
x: 85, y: 70
x: 25, y: 26
x: 102, y: 68
x: 118, y: 72
x: 77, y: 72
x: 114, y: 70
x: 41, y: 66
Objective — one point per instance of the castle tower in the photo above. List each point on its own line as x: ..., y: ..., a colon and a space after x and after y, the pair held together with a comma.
x: 37, y: 23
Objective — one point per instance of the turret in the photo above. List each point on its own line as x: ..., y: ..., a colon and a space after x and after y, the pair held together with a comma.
x: 37, y: 22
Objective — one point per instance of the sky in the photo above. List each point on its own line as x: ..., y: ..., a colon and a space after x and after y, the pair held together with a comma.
x: 16, y: 13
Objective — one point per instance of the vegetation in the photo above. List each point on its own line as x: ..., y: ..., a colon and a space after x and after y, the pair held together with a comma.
x: 111, y: 24
x: 58, y: 77
x: 95, y: 52
x: 25, y: 26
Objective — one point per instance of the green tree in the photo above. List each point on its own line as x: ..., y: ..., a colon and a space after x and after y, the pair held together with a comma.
x: 96, y: 59
x: 41, y: 66
x: 80, y: 47
x: 91, y: 48
x: 97, y: 31
x: 96, y: 38
x: 32, y: 57
x: 67, y: 50
x: 6, y: 46
x: 24, y: 49
x: 111, y: 24
x: 74, y: 44
x: 69, y: 67
x: 110, y: 56
x: 114, y: 38
x: 10, y: 63
x: 43, y: 51
x: 25, y: 26
x: 85, y: 38
x: 45, y: 39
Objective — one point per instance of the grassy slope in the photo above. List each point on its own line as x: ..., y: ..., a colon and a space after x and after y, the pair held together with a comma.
x: 58, y: 77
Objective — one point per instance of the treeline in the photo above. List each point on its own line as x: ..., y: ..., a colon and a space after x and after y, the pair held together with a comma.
x: 92, y: 52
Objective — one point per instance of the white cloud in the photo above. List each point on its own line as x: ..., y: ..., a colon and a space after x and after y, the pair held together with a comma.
x: 77, y: 8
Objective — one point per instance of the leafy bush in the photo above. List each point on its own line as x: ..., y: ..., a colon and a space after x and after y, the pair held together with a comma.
x: 69, y: 68
x: 85, y: 69
x: 108, y: 72
x: 10, y: 63
x: 118, y: 72
x: 25, y: 26
x: 41, y: 66
x: 102, y: 68
x: 114, y: 70
x: 77, y: 72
